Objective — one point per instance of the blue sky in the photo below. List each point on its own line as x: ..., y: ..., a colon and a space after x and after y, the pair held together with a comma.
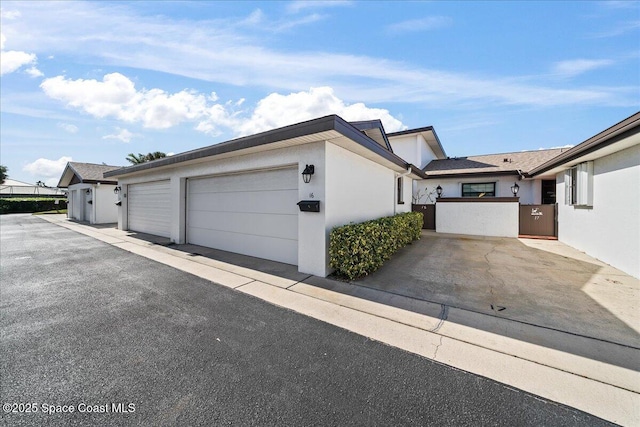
x: 94, y: 81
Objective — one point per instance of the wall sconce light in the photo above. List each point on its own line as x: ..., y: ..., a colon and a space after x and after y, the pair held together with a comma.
x: 307, y: 172
x: 88, y: 191
x: 439, y: 191
x: 117, y: 190
x: 515, y: 188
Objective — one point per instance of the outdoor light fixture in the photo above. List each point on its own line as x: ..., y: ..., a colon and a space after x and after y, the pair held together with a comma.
x: 307, y: 172
x: 515, y: 188
x: 117, y: 190
x: 439, y: 191
x: 88, y: 191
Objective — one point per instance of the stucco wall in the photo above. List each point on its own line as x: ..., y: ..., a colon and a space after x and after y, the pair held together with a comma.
x: 529, y: 193
x: 358, y: 189
x: 105, y: 209
x: 610, y: 230
x: 412, y: 148
x: 499, y: 219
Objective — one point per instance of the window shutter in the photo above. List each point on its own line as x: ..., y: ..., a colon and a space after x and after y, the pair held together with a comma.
x: 567, y: 187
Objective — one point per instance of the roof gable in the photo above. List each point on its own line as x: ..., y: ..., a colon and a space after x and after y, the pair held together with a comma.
x: 429, y: 135
x: 87, y: 173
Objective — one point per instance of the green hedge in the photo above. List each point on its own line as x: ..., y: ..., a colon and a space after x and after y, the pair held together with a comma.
x: 356, y: 250
x: 29, y: 205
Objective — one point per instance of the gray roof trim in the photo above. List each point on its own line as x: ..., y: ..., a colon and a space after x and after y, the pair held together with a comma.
x: 365, y: 125
x: 474, y: 174
x: 420, y: 130
x: 621, y: 130
x: 322, y: 124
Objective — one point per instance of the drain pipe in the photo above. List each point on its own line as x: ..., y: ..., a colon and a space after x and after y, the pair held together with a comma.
x: 395, y: 187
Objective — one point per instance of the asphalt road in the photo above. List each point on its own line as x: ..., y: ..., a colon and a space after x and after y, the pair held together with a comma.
x: 93, y: 327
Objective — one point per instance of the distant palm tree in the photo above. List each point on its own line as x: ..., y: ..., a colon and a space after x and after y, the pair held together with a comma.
x: 3, y: 174
x: 142, y: 158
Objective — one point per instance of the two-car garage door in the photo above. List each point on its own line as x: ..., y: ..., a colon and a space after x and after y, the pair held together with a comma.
x: 251, y: 213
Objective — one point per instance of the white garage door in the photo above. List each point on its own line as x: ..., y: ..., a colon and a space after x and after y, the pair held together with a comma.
x: 250, y: 213
x: 149, y: 208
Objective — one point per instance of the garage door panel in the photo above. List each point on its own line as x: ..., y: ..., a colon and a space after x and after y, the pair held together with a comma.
x: 281, y: 250
x: 276, y: 202
x: 149, y: 208
x: 248, y: 223
x: 278, y: 179
x: 253, y: 214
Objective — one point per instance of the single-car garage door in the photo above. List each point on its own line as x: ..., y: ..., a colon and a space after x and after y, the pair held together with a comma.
x: 249, y: 213
x: 149, y: 208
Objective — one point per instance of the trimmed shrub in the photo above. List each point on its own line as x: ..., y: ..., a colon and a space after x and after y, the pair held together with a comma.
x: 356, y: 250
x: 30, y: 205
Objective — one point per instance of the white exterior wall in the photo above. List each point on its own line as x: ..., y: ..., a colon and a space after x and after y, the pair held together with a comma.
x: 357, y: 190
x: 610, y: 230
x: 104, y: 204
x: 349, y: 187
x: 529, y: 193
x: 412, y: 148
x: 498, y: 219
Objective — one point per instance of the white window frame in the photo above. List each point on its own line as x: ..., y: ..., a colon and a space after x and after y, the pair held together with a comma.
x: 579, y: 185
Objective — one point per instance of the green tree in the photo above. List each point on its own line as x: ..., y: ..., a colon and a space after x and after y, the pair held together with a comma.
x: 3, y: 174
x: 141, y: 158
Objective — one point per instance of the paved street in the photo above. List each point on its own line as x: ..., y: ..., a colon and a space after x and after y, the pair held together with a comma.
x: 83, y: 322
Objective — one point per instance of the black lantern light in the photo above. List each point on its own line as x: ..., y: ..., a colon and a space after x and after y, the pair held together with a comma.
x: 117, y: 190
x: 307, y: 172
x: 439, y: 191
x: 515, y: 188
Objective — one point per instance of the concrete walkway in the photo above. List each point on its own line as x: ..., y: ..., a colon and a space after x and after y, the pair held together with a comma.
x: 595, y: 376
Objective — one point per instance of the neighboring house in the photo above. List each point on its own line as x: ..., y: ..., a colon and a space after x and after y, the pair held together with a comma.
x: 598, y: 195
x: 91, y: 196
x: 13, y: 188
x: 243, y: 195
x: 492, y: 175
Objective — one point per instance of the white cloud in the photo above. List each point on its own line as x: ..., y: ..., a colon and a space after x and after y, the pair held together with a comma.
x: 68, y: 127
x: 10, y: 14
x: 297, y: 6
x: 116, y: 96
x: 575, y: 67
x: 123, y: 135
x: 34, y: 72
x: 118, y: 36
x: 420, y: 24
x: 278, y: 110
x: 47, y: 168
x: 12, y: 60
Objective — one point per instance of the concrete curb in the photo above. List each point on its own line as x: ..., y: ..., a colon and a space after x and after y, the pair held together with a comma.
x: 605, y: 390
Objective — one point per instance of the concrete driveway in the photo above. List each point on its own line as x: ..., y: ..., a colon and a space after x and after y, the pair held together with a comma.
x: 540, y: 282
x: 84, y: 324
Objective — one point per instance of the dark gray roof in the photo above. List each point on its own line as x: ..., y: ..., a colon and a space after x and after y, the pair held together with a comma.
x: 88, y: 173
x: 495, y: 164
x: 374, y: 130
x: 611, y: 135
x: 298, y: 130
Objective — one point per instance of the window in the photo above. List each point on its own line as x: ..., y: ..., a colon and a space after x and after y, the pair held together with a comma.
x: 400, y: 192
x: 481, y: 189
x: 578, y: 184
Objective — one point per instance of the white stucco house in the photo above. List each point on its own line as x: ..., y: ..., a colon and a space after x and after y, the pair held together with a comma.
x: 90, y: 195
x: 245, y: 195
x: 598, y: 194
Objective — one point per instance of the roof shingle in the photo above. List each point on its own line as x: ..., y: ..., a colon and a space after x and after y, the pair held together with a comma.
x: 522, y: 161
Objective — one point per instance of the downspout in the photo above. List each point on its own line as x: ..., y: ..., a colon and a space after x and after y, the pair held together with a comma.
x: 395, y: 187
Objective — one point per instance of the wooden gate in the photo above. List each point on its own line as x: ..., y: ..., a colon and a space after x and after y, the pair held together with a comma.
x: 538, y: 220
x: 428, y: 215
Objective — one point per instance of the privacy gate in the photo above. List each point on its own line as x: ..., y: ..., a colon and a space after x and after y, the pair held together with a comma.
x: 538, y: 220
